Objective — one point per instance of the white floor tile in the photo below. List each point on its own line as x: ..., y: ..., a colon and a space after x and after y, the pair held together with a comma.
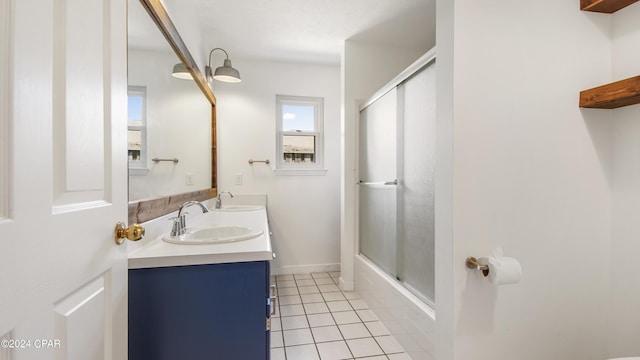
x: 336, y: 350
x: 284, y: 277
x: 351, y: 295
x: 359, y: 304
x: 345, y: 317
x: 376, y: 328
x: 287, y: 291
x: 308, y: 289
x: 354, y: 331
x: 305, y: 282
x: 276, y: 339
x: 311, y: 298
x: 316, y: 308
x: 276, y: 325
x: 367, y: 315
x: 294, y: 322
x: 291, y: 310
x: 335, y: 306
x: 297, y: 337
x: 324, y: 281
x: 319, y: 275
x: 364, y: 347
x: 302, y: 276
x: 334, y: 274
x: 389, y: 344
x: 289, y: 299
x: 333, y: 296
x: 286, y: 284
x: 328, y: 288
x: 402, y: 356
x: 316, y: 320
x: 304, y: 352
x: 277, y: 354
x: 326, y: 333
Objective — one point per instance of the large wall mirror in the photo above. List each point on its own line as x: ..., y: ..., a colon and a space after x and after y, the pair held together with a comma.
x: 171, y: 127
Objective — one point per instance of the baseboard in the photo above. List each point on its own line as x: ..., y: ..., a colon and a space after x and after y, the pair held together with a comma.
x: 301, y: 269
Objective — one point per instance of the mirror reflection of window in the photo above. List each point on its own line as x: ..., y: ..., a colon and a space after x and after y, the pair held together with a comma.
x: 137, y: 122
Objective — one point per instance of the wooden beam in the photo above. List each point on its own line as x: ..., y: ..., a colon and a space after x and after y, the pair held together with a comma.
x: 611, y: 96
x: 145, y: 210
x: 604, y: 6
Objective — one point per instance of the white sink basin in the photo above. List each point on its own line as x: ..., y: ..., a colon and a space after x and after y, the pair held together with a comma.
x: 213, y: 235
x: 240, y: 208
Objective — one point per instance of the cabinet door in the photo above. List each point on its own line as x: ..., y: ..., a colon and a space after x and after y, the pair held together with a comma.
x: 199, y: 312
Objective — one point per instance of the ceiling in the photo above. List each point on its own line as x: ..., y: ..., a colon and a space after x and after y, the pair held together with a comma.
x: 310, y: 31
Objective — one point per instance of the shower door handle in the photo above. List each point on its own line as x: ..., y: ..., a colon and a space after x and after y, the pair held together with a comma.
x: 386, y: 183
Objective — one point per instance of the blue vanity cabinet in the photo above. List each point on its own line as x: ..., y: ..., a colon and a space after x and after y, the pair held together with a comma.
x: 216, y: 311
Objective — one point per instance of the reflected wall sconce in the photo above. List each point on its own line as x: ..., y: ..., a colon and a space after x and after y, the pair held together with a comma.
x: 225, y: 73
x: 180, y: 71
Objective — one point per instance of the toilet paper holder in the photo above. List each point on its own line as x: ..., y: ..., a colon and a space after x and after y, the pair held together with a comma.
x: 473, y: 264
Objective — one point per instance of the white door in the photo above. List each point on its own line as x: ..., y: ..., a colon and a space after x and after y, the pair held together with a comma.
x: 63, y: 280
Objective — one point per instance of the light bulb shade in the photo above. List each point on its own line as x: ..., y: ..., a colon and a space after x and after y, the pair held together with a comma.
x: 180, y: 71
x: 227, y: 73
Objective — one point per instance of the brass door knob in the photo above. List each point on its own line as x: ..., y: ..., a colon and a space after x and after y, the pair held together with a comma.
x: 134, y: 232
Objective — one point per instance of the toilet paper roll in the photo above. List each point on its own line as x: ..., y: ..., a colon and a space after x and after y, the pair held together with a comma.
x: 504, y: 270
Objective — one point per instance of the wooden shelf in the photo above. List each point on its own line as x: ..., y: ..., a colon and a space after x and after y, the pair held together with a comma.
x: 611, y: 96
x: 604, y: 6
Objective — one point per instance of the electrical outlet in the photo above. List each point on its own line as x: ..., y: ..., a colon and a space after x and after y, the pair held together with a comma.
x: 238, y: 178
x: 188, y: 179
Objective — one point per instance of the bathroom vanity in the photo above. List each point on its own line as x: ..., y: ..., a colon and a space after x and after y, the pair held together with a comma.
x: 203, y: 301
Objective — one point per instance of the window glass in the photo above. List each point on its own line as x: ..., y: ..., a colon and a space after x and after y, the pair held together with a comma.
x: 299, y: 148
x: 135, y: 109
x: 298, y: 117
x: 299, y: 121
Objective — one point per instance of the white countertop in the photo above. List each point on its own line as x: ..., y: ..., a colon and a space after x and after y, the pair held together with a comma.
x: 159, y: 253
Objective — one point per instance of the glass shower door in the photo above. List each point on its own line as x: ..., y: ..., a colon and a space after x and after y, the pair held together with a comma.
x: 377, y: 190
x: 416, y: 191
x: 396, y: 190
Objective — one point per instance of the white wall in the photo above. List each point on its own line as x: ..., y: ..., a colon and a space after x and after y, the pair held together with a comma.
x: 178, y: 126
x: 625, y: 287
x: 365, y: 69
x: 303, y: 210
x: 531, y: 173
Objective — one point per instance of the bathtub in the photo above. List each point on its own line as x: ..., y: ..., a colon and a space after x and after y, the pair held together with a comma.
x: 409, y: 319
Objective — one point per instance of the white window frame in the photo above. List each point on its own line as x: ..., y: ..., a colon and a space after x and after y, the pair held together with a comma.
x: 139, y: 167
x: 302, y: 168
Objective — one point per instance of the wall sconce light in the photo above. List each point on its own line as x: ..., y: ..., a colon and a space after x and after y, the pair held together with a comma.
x: 180, y: 71
x: 225, y: 73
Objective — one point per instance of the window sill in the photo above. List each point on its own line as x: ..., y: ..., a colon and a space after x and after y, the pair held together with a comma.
x: 138, y: 171
x: 300, y: 172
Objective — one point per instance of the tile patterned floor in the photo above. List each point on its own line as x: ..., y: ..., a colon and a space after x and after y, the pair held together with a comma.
x: 317, y: 321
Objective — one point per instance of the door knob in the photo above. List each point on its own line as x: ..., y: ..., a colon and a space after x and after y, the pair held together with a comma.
x: 134, y: 232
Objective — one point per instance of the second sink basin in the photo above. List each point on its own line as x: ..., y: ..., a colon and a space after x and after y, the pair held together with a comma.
x: 213, y: 235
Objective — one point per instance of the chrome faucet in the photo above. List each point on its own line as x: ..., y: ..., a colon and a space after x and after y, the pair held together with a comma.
x: 180, y: 222
x: 219, y: 199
